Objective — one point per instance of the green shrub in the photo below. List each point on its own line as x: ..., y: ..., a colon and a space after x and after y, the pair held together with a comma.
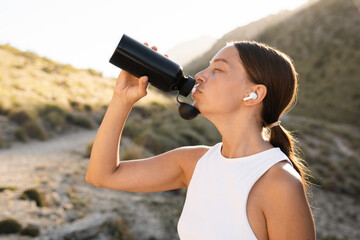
x: 10, y: 188
x: 119, y: 229
x: 154, y: 142
x: 143, y: 112
x: 54, y: 115
x: 33, y: 195
x: 30, y: 125
x: 21, y: 134
x: 88, y: 149
x: 36, y: 130
x: 21, y: 116
x: 9, y: 225
x: 99, y: 117
x: 56, y: 119
x: 156, y: 106
x: 1, y: 139
x: 191, y: 138
x: 78, y: 106
x: 80, y: 120
x: 47, y: 69
x: 134, y: 126
x: 160, y: 129
x: 31, y: 231
x: 87, y: 107
x: 133, y: 152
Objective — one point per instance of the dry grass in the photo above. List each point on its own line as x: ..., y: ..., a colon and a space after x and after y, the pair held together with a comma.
x: 331, y: 151
x: 45, y: 98
x: 27, y: 81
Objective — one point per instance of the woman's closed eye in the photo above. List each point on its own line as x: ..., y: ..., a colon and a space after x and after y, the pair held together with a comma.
x: 217, y: 69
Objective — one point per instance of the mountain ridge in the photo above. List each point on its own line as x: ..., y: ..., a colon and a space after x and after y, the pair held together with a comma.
x: 184, y: 52
x: 323, y: 39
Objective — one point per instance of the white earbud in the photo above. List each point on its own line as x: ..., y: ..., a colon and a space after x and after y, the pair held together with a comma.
x: 251, y: 96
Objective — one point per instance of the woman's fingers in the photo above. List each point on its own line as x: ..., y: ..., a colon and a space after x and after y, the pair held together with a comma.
x: 143, y: 85
x: 154, y: 48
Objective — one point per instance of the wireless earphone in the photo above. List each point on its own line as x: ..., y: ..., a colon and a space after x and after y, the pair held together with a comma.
x: 251, y: 96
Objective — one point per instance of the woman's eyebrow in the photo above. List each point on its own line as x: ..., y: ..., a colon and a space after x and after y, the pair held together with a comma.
x: 219, y: 60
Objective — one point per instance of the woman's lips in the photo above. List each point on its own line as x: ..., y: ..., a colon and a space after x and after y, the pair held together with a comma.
x: 195, y: 91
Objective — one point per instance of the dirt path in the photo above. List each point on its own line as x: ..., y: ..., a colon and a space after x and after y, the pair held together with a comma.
x: 22, y: 159
x: 56, y: 168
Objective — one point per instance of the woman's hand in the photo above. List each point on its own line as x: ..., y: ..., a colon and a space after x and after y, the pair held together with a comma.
x: 130, y: 88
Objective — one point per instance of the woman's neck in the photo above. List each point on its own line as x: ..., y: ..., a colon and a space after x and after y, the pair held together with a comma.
x: 241, y: 136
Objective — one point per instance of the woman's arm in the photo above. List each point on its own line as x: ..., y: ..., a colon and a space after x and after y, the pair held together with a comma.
x: 285, y: 206
x: 167, y: 171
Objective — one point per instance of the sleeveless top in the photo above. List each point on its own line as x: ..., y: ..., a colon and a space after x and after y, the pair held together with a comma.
x: 215, y: 204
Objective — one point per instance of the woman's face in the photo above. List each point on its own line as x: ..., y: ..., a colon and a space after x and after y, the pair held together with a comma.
x: 223, y: 85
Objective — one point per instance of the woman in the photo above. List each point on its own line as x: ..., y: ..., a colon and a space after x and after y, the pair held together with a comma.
x: 246, y: 187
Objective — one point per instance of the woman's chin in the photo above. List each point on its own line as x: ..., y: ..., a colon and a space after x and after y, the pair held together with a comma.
x: 196, y: 105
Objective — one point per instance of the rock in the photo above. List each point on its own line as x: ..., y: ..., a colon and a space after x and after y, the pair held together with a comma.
x: 85, y: 228
x: 55, y: 199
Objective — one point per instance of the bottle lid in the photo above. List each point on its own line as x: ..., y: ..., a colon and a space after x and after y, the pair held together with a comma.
x: 188, y: 85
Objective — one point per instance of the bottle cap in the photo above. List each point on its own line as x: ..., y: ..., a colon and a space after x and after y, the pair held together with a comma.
x: 189, y: 83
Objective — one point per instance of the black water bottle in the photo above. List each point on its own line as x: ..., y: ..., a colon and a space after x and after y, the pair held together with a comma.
x: 163, y: 73
x: 140, y: 60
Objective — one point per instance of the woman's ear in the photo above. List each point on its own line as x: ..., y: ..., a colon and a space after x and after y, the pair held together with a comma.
x: 261, y: 91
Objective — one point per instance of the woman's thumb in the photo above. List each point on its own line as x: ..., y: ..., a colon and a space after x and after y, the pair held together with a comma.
x: 143, y: 84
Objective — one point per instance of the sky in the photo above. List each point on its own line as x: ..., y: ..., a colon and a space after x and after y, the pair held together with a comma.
x: 84, y: 33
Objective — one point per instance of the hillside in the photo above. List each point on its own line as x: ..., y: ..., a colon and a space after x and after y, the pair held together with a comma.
x: 247, y: 32
x: 323, y: 39
x: 28, y: 79
x: 41, y: 98
x: 184, y: 52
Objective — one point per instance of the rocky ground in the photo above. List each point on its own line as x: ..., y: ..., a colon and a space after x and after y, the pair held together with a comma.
x: 73, y: 209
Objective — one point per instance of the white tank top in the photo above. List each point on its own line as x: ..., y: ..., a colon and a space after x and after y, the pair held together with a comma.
x: 215, y: 204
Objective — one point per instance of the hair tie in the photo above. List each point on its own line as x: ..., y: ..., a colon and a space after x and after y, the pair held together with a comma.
x: 277, y: 123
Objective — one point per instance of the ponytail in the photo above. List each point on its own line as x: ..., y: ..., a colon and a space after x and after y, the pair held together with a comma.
x: 280, y: 137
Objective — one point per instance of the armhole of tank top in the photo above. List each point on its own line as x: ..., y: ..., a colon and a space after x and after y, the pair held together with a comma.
x: 197, y: 167
x: 251, y: 187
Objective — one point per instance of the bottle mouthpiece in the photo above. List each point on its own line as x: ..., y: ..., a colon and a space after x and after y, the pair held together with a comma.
x: 187, y: 86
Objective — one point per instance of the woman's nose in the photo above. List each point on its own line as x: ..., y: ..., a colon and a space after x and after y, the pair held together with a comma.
x: 200, y: 77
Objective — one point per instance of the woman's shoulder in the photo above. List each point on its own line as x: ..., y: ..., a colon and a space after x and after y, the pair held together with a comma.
x: 282, y: 176
x: 190, y: 155
x: 281, y: 185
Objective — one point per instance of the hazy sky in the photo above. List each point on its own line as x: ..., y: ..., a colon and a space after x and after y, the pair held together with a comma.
x: 84, y: 33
